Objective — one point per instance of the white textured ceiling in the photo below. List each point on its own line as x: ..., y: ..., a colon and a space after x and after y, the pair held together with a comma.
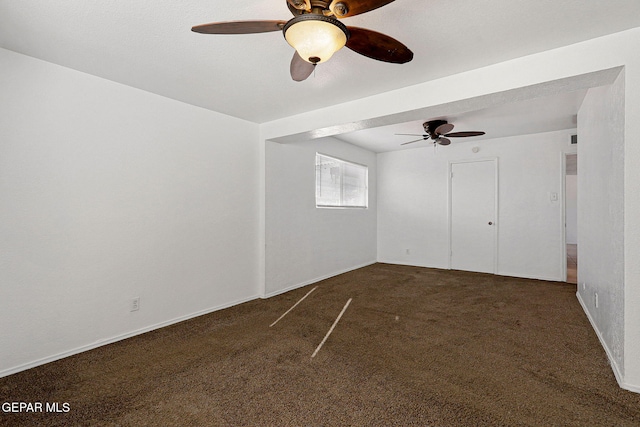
x: 148, y: 44
x: 536, y: 115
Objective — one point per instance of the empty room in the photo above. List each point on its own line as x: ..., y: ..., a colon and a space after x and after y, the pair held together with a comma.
x: 208, y: 218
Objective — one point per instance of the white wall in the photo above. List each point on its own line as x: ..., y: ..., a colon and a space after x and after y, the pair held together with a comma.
x: 601, y: 214
x: 305, y: 243
x: 412, y: 207
x: 413, y: 203
x: 109, y: 193
x: 571, y: 208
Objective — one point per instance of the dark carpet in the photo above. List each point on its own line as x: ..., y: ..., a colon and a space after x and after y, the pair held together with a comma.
x: 416, y: 347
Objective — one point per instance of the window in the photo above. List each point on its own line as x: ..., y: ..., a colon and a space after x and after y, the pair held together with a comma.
x: 340, y: 183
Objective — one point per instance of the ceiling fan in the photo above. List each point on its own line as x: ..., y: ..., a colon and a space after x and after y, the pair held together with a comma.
x: 316, y: 33
x: 440, y: 132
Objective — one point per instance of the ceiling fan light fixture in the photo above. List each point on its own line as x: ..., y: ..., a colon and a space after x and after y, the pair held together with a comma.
x: 315, y: 37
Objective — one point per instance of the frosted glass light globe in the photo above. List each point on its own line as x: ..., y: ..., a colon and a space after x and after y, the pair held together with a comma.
x: 315, y: 37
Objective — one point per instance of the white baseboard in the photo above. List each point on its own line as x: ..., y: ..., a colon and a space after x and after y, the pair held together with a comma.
x: 116, y: 338
x: 630, y: 387
x: 413, y: 264
x: 317, y: 279
x: 526, y: 276
x: 501, y: 273
x: 614, y: 366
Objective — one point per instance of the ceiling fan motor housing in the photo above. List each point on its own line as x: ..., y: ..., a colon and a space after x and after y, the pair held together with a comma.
x: 431, y: 126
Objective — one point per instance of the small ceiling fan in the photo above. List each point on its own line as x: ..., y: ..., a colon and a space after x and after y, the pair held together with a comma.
x: 316, y: 34
x: 440, y: 132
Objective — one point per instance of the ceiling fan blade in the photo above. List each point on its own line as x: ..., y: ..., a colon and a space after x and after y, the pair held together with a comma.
x: 411, y: 142
x: 443, y: 141
x: 378, y: 46
x: 412, y: 134
x: 444, y: 128
x: 239, y: 27
x: 299, y: 68
x: 463, y: 134
x: 346, y: 8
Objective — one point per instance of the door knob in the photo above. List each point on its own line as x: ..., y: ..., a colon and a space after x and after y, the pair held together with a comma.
x: 490, y: 223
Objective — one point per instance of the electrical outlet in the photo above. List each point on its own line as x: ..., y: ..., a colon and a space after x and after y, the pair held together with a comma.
x: 595, y: 300
x: 135, y: 304
x: 584, y: 286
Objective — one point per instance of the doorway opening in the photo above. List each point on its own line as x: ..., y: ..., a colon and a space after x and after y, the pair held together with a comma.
x: 571, y: 216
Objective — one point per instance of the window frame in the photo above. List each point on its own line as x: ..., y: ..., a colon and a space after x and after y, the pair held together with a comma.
x: 342, y: 162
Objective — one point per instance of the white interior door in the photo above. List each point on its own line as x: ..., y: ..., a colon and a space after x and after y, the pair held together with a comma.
x: 473, y: 216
